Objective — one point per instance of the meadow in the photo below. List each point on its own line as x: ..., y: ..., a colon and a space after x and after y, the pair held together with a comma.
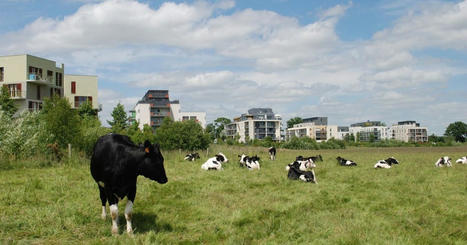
x: 44, y: 202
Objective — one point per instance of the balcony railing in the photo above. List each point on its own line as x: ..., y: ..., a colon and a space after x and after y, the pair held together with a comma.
x: 16, y: 94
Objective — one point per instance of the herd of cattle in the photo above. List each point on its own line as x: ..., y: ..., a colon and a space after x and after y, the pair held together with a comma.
x: 117, y: 162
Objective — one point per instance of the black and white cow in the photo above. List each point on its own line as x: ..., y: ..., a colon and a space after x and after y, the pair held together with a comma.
x: 296, y: 174
x: 249, y: 162
x: 116, y: 163
x: 343, y: 162
x: 462, y: 160
x: 215, y: 163
x: 386, y: 163
x: 302, y: 165
x: 443, y: 161
x: 272, y: 153
x: 192, y: 156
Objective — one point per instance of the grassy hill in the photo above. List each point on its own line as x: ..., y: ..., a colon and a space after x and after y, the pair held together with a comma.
x: 411, y: 203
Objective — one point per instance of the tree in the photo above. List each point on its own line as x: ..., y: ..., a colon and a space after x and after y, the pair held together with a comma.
x: 458, y: 130
x: 85, y: 109
x: 186, y: 135
x: 216, y: 129
x: 120, y: 119
x: 62, y: 124
x: 293, y: 121
x: 6, y: 103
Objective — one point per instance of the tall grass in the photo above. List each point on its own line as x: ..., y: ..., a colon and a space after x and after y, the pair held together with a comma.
x: 412, y: 203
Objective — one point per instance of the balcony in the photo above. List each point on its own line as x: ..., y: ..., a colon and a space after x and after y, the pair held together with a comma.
x: 38, y: 79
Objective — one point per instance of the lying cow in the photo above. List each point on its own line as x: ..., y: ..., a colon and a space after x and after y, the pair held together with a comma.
x: 192, y: 156
x: 272, y: 153
x: 116, y: 163
x: 462, y: 160
x: 296, y: 174
x: 343, y: 162
x: 443, y: 161
x: 215, y: 163
x: 249, y: 162
x: 301, y: 165
x: 386, y: 163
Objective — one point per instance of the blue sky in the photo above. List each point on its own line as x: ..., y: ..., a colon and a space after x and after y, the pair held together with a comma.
x: 351, y: 61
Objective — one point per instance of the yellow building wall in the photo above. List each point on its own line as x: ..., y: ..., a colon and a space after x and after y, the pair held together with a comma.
x: 85, y: 86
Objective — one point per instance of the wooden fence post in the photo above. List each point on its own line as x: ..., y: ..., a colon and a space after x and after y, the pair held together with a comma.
x: 69, y: 151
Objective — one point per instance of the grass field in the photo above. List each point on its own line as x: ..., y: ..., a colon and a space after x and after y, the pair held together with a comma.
x: 411, y: 203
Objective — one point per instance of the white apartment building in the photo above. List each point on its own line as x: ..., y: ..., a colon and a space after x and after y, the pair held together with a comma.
x: 81, y: 88
x: 317, y: 132
x: 258, y: 123
x: 375, y: 133
x: 156, y: 105
x: 409, y: 131
x: 179, y: 115
x: 30, y: 79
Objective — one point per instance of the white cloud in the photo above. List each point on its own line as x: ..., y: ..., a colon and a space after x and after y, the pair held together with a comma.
x: 249, y: 58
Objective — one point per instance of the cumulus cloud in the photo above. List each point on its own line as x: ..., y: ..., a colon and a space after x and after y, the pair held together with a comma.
x: 226, y: 63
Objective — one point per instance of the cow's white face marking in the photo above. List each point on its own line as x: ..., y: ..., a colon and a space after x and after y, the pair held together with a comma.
x: 114, y: 214
x: 101, y: 184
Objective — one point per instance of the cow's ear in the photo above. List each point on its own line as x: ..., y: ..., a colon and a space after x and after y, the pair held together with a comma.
x: 147, y: 146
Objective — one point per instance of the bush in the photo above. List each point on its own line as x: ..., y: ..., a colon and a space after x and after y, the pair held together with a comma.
x: 22, y: 137
x: 186, y: 135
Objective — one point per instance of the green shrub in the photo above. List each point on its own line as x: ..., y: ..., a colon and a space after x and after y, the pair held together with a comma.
x: 186, y: 135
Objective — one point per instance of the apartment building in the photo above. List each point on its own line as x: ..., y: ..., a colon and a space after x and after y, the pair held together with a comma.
x: 370, y: 133
x: 156, y: 105
x: 309, y: 129
x: 152, y: 108
x: 30, y: 79
x: 258, y: 123
x: 81, y: 88
x: 409, y: 131
x: 179, y: 115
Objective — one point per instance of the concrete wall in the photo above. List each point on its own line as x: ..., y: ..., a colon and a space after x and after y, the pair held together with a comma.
x: 200, y: 117
x: 15, y: 68
x: 143, y: 115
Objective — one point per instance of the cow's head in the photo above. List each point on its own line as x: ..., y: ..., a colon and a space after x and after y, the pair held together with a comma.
x: 221, y: 157
x: 243, y: 158
x: 152, y: 166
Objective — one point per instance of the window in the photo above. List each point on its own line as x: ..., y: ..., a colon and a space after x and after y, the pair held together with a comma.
x: 50, y: 76
x: 14, y: 89
x: 58, y: 79
x: 1, y: 74
x: 73, y: 87
x: 35, y: 106
x: 82, y: 99
x: 35, y: 73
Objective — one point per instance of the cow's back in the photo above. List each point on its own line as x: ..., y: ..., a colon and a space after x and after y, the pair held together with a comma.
x: 109, y: 152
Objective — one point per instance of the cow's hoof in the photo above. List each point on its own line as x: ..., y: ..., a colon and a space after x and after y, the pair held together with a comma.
x: 103, y: 216
x: 114, y: 230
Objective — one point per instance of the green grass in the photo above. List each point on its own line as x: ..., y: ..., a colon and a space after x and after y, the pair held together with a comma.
x: 412, y: 203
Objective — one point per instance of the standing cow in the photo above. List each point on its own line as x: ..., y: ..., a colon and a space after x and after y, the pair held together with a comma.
x: 272, y: 153
x: 116, y: 164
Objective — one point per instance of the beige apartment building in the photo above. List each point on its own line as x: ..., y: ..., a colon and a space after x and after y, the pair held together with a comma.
x: 409, y: 131
x: 258, y: 123
x: 30, y: 79
x: 81, y: 88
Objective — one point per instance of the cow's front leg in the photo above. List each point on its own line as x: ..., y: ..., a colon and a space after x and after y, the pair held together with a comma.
x: 129, y: 210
